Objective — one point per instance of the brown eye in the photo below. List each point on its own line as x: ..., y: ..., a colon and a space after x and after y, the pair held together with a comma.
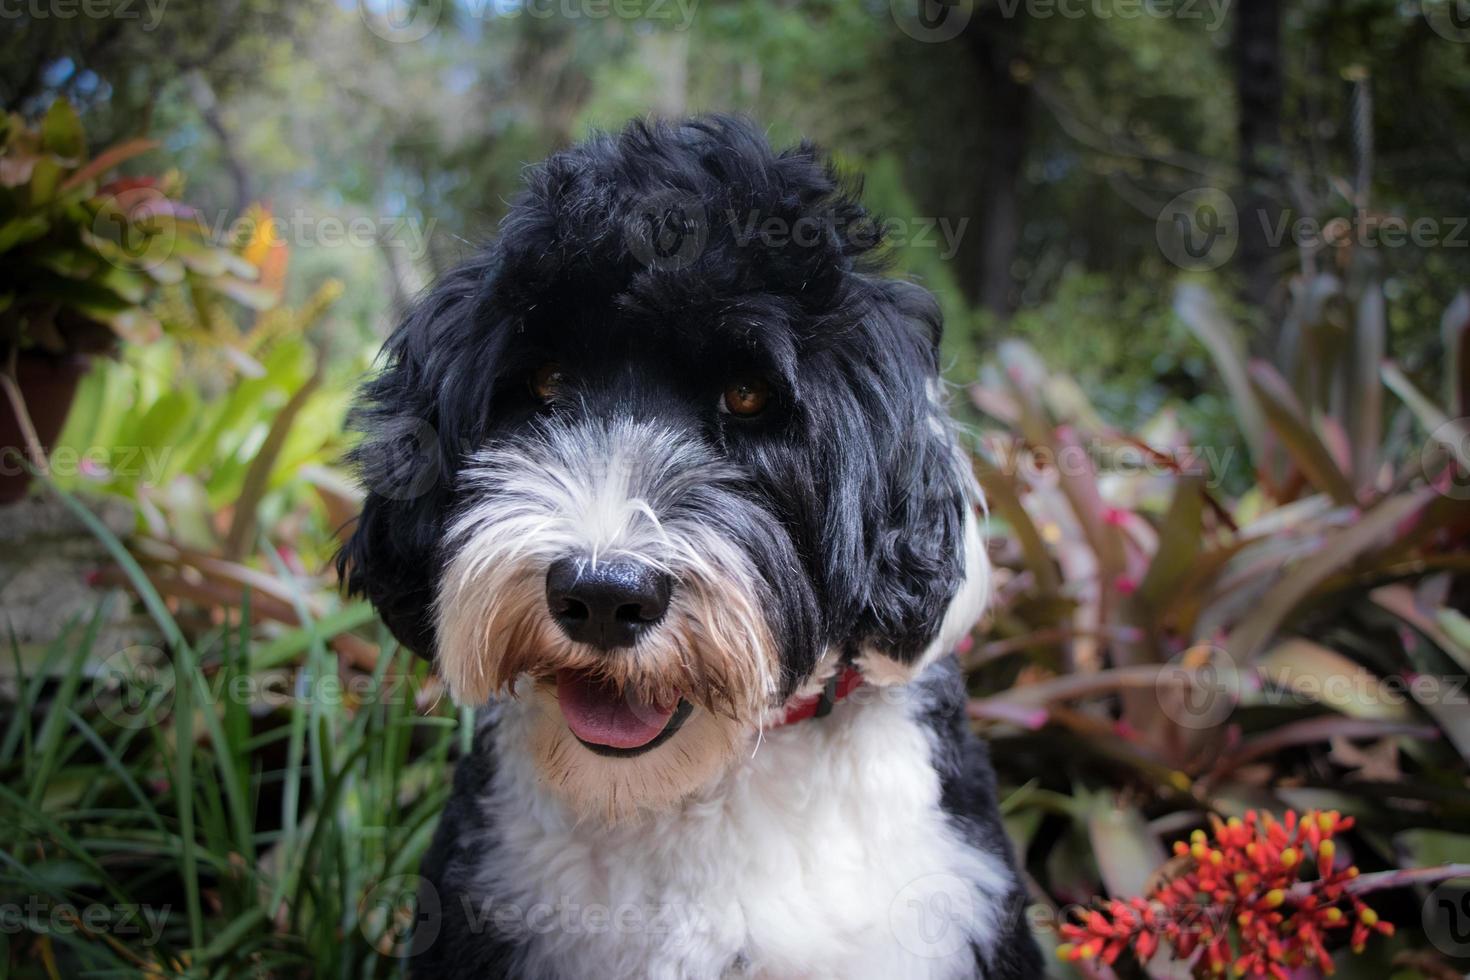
x: 746, y: 397
x: 547, y: 381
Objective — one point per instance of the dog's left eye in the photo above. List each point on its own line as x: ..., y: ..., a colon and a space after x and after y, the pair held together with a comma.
x: 547, y: 381
x: 746, y: 397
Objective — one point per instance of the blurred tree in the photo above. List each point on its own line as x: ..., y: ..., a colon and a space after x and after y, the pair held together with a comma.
x: 117, y: 58
x: 1051, y: 135
x: 1256, y: 46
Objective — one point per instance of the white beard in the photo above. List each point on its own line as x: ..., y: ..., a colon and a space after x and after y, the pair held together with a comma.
x: 825, y: 853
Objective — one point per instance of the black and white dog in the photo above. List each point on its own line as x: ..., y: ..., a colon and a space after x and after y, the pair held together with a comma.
x: 664, y: 477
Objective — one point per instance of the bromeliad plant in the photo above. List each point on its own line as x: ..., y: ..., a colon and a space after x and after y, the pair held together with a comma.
x: 1111, y: 567
x: 229, y: 461
x: 1300, y: 644
x: 81, y: 255
x: 82, y: 260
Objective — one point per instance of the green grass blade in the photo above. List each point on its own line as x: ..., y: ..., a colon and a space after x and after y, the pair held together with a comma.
x: 113, y: 763
x: 48, y: 744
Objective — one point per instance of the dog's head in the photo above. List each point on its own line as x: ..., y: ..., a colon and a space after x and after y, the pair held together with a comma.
x: 665, y: 454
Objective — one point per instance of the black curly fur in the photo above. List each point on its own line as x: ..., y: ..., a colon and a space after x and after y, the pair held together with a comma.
x: 785, y: 281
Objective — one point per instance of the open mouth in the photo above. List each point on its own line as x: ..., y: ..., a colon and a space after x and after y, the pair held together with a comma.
x: 614, y: 723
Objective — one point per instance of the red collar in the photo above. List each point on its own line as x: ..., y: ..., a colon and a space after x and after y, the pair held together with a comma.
x: 842, y: 683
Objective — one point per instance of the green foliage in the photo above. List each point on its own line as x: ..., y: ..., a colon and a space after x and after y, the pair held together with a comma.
x: 1162, y: 647
x: 81, y: 258
x: 1321, y: 539
x: 246, y: 823
x: 145, y: 429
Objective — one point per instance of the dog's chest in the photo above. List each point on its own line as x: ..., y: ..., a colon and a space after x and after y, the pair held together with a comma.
x: 826, y: 854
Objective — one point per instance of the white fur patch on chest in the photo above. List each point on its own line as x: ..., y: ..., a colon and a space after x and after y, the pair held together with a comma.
x: 824, y: 855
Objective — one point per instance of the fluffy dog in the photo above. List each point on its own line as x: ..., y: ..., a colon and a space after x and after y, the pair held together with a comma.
x: 663, y: 481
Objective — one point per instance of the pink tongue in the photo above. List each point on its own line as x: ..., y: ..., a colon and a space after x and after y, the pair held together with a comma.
x: 596, y: 713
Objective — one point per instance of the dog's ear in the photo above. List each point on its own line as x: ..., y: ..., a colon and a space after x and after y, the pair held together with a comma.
x: 924, y: 578
x: 412, y: 418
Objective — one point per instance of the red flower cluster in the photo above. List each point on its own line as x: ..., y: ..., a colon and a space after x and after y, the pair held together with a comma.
x: 1249, y: 877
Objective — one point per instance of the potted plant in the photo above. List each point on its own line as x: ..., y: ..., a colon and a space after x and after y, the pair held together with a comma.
x: 80, y: 259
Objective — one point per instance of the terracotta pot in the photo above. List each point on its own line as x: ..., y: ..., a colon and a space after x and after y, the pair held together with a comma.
x: 48, y: 385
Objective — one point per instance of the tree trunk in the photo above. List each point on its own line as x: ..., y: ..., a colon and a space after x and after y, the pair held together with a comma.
x: 1005, y: 106
x: 1256, y: 49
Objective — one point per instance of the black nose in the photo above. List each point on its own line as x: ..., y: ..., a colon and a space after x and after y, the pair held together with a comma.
x: 608, y: 604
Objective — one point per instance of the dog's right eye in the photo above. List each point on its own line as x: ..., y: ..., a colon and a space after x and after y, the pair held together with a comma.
x: 746, y: 397
x: 547, y: 381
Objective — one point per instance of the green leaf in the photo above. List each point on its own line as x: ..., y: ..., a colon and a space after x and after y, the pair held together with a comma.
x: 51, y: 827
x: 1454, y: 331
x: 18, y: 231
x: 131, y: 286
x: 62, y: 875
x: 1127, y: 852
x: 48, y: 743
x: 1316, y: 673
x: 1452, y: 434
x: 289, y: 645
x: 1004, y: 499
x: 1180, y: 538
x: 45, y: 179
x: 1428, y: 848
x: 1296, y: 584
x: 167, y: 272
x: 226, y: 942
x: 1197, y: 308
x: 1366, y: 406
x: 70, y: 263
x: 163, y: 427
x: 61, y: 131
x: 118, y: 769
x: 185, y: 659
x: 1457, y: 629
x: 245, y: 293
x: 1291, y: 425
